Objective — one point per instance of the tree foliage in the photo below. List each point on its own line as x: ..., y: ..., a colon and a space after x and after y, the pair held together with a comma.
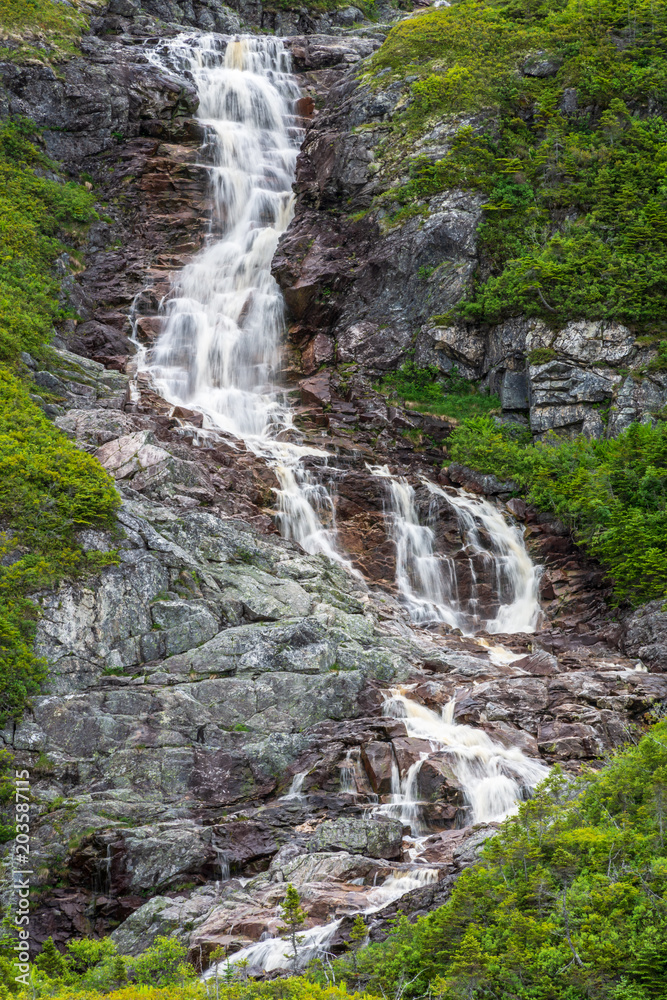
x: 612, y: 493
x: 570, y: 154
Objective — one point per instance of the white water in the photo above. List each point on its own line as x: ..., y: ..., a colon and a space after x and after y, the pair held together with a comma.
x: 219, y: 351
x: 276, y: 953
x: 427, y: 581
x: 494, y: 778
x: 296, y: 788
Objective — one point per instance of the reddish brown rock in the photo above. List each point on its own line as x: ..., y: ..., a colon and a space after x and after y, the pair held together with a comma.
x: 436, y: 781
x: 408, y: 750
x: 377, y: 760
x: 316, y: 389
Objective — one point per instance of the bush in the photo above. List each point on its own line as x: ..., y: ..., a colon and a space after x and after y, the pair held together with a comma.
x: 48, y: 489
x: 575, y: 220
x: 567, y: 903
x: 613, y: 494
x: 164, y: 964
x: 448, y: 395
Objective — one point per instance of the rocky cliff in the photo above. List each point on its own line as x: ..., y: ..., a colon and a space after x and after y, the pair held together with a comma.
x: 215, y: 723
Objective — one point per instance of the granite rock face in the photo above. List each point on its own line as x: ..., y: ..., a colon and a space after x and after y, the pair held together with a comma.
x: 645, y: 635
x: 135, y: 18
x: 372, y: 283
x: 215, y: 703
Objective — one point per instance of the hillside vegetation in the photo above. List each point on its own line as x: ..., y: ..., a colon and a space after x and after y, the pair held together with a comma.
x: 559, y: 107
x: 48, y: 488
x: 45, y: 30
x: 567, y: 903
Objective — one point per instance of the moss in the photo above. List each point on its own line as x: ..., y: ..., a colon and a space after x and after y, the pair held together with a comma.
x: 48, y: 487
x: 541, y: 355
x: 37, y: 213
x: 43, y: 30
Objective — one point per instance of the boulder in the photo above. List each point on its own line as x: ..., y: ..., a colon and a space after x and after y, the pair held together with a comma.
x: 374, y: 837
x: 408, y: 750
x: 436, y: 781
x: 568, y: 741
x: 377, y: 759
x: 646, y: 635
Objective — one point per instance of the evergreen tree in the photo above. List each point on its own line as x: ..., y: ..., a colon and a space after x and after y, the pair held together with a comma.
x: 50, y: 961
x: 294, y: 918
x: 119, y: 970
x: 357, y: 936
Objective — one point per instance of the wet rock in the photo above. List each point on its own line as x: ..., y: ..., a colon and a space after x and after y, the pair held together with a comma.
x: 437, y: 781
x: 409, y: 750
x: 378, y: 759
x: 241, y: 841
x: 376, y: 837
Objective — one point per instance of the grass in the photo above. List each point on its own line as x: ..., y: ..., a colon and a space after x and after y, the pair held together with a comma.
x: 45, y: 30
x: 427, y: 390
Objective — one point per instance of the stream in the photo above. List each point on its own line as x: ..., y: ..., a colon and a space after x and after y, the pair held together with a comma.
x: 220, y: 353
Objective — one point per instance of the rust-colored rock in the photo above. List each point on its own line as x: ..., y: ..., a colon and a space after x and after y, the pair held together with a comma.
x: 377, y: 760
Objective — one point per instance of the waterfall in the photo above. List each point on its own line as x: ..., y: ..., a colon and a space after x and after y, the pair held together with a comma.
x: 275, y: 953
x: 219, y: 350
x: 494, y: 778
x: 427, y: 581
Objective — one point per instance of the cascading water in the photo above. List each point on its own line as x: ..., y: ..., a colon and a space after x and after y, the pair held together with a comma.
x: 219, y: 353
x: 220, y: 346
x: 427, y: 581
x: 494, y: 778
x: 516, y: 577
x: 275, y: 953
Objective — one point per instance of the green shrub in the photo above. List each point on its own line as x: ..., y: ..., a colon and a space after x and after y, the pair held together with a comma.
x: 48, y: 487
x: 48, y: 490
x: 36, y: 213
x: 541, y: 355
x: 448, y: 395
x: 612, y: 493
x: 163, y: 964
x: 567, y: 903
x: 575, y: 220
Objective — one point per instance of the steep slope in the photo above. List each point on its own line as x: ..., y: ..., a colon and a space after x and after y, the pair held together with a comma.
x: 224, y: 701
